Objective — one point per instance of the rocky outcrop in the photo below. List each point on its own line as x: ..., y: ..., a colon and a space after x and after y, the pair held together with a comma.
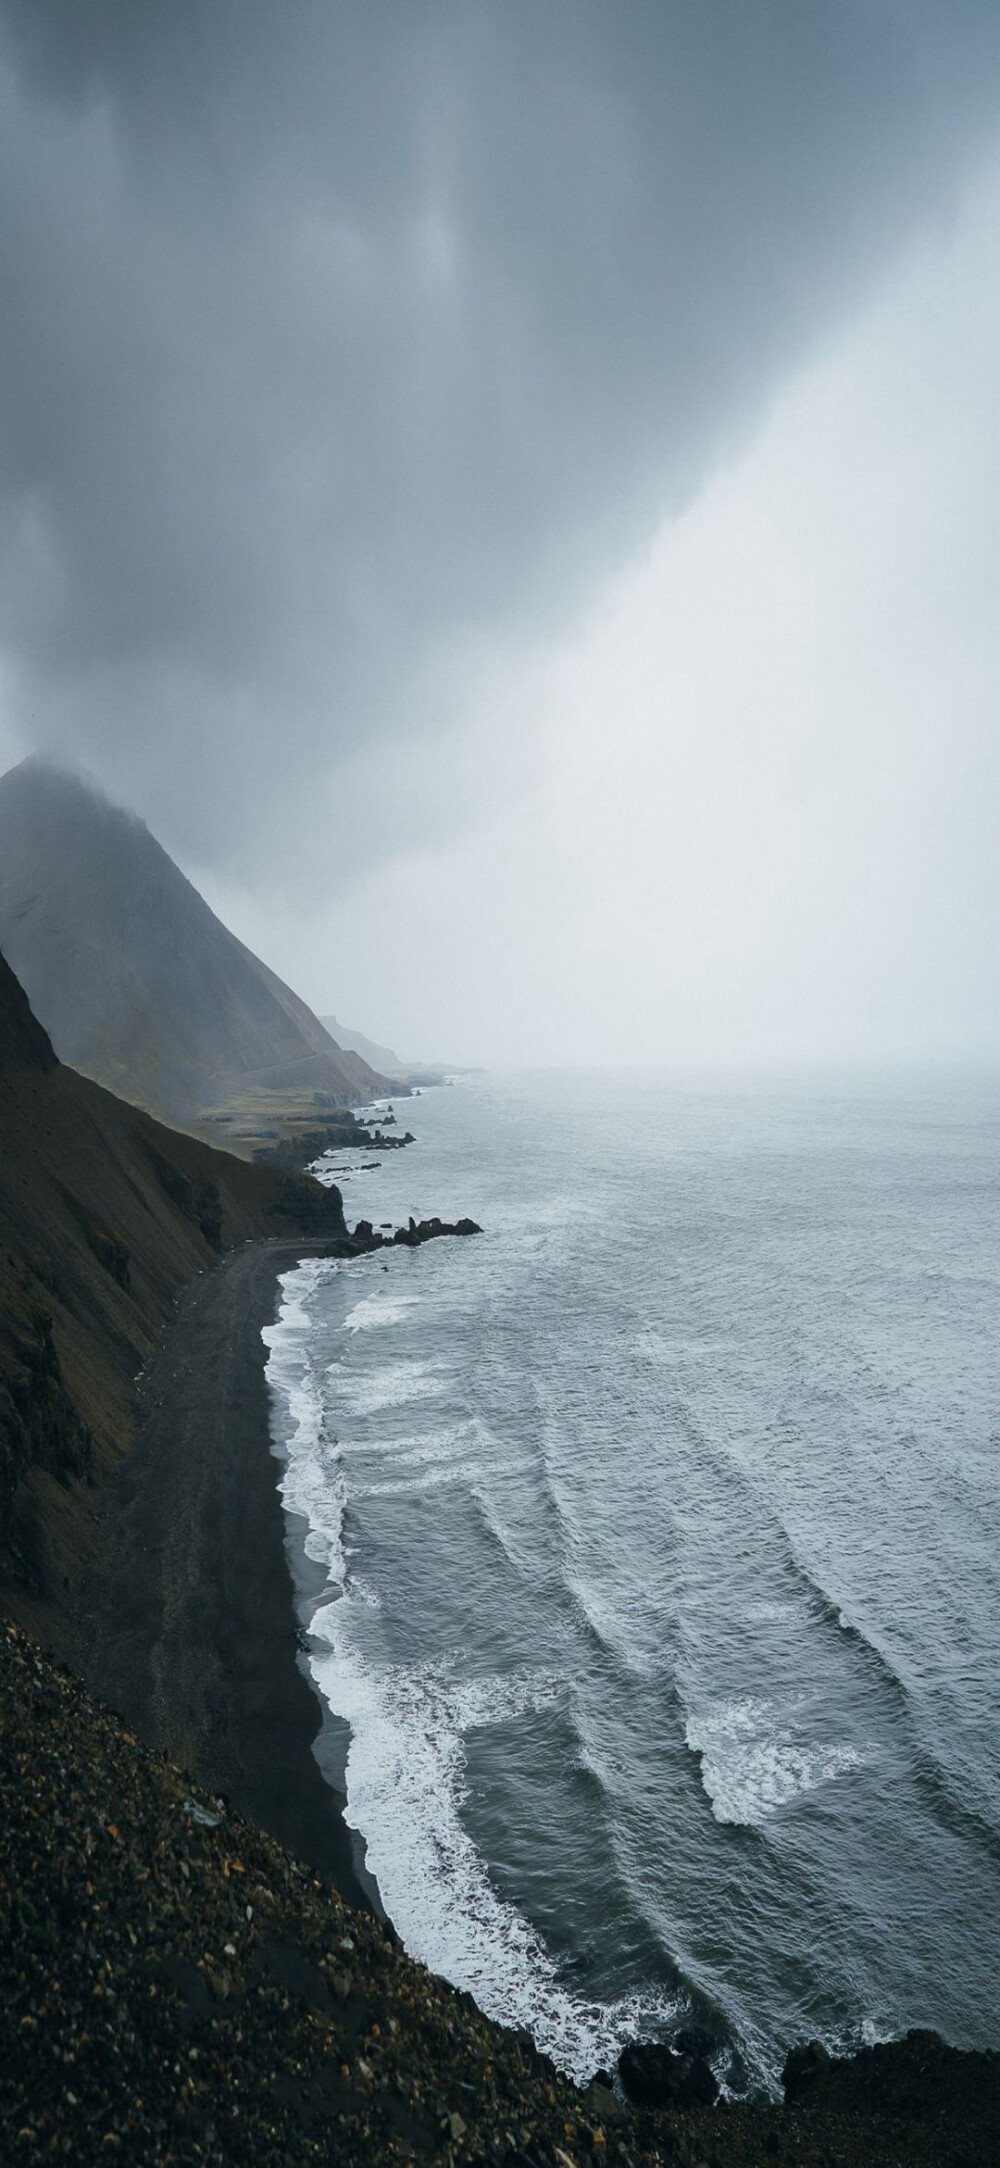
x: 198, y: 1199
x: 427, y: 1230
x: 304, y: 1145
x: 657, y: 2076
x: 39, y: 1426
x: 920, y: 2083
x: 411, y: 1236
x: 804, y: 2067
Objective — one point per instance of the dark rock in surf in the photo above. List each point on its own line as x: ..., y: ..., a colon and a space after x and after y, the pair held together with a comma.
x: 603, y: 2101
x: 697, y: 2040
x: 654, y: 2076
x: 428, y: 1230
x: 804, y: 2066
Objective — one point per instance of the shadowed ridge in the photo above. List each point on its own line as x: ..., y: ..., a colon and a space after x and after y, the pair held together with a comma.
x: 138, y: 982
x: 23, y: 1042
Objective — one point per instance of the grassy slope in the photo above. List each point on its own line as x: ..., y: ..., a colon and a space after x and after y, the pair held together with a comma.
x: 105, y: 1215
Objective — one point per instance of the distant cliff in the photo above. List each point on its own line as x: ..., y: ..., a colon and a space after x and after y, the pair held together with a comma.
x: 131, y: 973
x: 104, y: 1216
x: 379, y: 1057
x: 402, y: 1075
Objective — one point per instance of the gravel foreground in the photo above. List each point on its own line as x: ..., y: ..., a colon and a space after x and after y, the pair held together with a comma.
x: 176, y: 1988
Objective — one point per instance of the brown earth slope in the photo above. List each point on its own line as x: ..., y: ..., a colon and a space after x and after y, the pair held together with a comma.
x: 104, y: 1216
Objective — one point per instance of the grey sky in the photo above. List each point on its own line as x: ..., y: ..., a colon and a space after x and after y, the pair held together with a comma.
x: 763, y: 821
x: 349, y: 352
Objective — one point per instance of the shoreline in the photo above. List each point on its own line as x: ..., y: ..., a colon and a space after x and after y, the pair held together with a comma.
x: 186, y: 1625
x: 186, y: 1628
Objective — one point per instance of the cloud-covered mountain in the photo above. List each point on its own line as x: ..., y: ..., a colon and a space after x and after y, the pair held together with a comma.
x: 347, y: 346
x: 134, y: 977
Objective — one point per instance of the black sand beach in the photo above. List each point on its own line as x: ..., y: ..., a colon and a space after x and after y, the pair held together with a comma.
x: 186, y: 1625
x: 150, y: 2031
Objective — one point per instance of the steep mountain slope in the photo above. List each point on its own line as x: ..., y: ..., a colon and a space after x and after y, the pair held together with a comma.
x: 402, y: 1074
x: 137, y: 981
x: 104, y: 1216
x: 381, y: 1058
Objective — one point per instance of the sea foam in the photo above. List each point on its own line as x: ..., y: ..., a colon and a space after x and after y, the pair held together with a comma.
x: 406, y: 1771
x: 312, y: 1480
x: 757, y: 1530
x: 406, y: 1786
x: 378, y: 1309
x: 752, y: 1764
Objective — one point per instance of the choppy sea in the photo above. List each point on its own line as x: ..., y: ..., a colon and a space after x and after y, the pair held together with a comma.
x: 648, y: 1550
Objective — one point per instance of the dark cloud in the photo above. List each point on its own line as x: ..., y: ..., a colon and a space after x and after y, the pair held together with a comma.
x: 338, y: 335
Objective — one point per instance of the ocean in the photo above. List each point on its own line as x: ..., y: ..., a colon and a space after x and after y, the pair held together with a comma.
x: 647, y: 1551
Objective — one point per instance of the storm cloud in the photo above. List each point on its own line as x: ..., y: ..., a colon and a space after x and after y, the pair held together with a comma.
x: 345, y: 343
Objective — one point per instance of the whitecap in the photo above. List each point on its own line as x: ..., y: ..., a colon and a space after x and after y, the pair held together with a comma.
x: 312, y: 1480
x: 379, y: 1309
x: 390, y: 1386
x: 613, y: 1629
x: 439, y: 1471
x: 412, y: 1450
x: 406, y: 1786
x: 752, y: 1764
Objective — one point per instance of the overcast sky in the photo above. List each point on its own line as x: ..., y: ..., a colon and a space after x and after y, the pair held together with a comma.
x: 507, y: 489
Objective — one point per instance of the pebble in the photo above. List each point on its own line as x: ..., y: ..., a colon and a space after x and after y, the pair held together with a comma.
x: 113, y: 1897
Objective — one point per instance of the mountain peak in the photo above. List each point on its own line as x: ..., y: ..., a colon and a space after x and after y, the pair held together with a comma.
x: 38, y: 778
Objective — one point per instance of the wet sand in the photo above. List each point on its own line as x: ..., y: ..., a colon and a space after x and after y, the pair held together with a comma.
x: 186, y: 1627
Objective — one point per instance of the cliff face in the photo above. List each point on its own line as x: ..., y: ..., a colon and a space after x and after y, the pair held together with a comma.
x: 104, y: 1216
x: 138, y: 982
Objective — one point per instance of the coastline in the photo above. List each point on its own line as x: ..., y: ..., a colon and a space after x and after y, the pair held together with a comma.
x: 186, y: 1627
x: 186, y: 1624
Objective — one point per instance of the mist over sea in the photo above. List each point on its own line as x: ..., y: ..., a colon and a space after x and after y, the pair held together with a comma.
x: 649, y: 1546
